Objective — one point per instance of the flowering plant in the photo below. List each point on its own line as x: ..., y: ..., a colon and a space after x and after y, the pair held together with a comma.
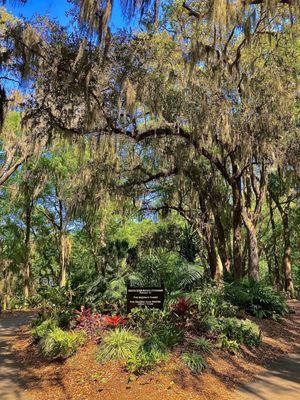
x: 114, y: 321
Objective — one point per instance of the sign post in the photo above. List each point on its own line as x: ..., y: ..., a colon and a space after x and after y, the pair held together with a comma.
x: 139, y: 297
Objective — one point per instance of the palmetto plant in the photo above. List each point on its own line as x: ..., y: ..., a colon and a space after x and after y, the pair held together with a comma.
x: 189, y: 244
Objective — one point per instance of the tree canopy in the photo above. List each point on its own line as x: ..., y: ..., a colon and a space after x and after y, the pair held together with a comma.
x: 170, y: 149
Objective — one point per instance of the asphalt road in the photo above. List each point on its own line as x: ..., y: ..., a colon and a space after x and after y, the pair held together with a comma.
x: 11, y: 386
x: 281, y: 381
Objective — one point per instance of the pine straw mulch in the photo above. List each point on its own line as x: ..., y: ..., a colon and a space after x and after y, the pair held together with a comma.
x: 82, y: 378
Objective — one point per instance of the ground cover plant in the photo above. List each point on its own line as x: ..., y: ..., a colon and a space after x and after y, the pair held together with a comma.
x: 61, y: 344
x: 202, y: 344
x: 258, y: 299
x: 195, y: 362
x: 243, y: 331
x: 118, y: 344
x: 203, y: 321
x: 145, y: 360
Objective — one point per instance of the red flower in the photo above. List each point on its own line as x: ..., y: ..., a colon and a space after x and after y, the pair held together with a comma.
x: 113, y: 321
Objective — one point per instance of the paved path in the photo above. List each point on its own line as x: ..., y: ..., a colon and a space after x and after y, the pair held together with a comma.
x: 281, y: 382
x: 11, y: 386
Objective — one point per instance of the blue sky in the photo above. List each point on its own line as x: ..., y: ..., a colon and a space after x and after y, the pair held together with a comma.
x: 58, y: 8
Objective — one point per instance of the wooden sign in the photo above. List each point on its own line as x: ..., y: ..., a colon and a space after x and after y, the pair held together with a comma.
x: 152, y: 297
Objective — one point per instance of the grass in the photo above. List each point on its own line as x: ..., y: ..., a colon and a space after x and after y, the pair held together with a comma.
x: 194, y: 361
x: 203, y: 344
x: 118, y: 344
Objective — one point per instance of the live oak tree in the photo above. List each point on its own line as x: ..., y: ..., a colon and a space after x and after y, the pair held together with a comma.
x: 224, y: 115
x: 19, y: 50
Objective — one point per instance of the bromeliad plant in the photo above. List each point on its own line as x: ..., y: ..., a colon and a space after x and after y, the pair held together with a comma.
x: 113, y: 321
x: 183, y: 306
x: 184, y: 313
x: 93, y: 324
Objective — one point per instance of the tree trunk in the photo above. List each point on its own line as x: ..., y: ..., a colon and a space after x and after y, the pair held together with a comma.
x: 205, y: 227
x: 278, y: 284
x: 224, y: 254
x: 6, y: 289
x: 215, y: 262
x: 253, y: 254
x: 62, y: 262
x: 219, y: 268
x: 27, y: 269
x: 270, y: 270
x: 62, y: 245
x: 286, y: 263
x: 237, y: 231
x: 253, y: 248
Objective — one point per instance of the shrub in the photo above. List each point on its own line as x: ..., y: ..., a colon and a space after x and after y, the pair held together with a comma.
x: 211, y: 302
x: 257, y: 299
x: 43, y: 329
x: 243, y: 331
x: 61, y: 344
x: 54, y: 297
x: 37, y: 320
x: 163, y: 339
x: 118, y: 344
x: 114, y: 297
x: 62, y: 317
x: 210, y: 324
x: 148, y: 320
x: 156, y: 327
x: 203, y: 344
x: 85, y: 320
x: 194, y: 362
x: 143, y: 361
x: 34, y: 301
x: 232, y: 346
x: 17, y: 302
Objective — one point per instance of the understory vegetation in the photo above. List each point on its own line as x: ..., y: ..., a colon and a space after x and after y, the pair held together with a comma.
x: 200, y: 322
